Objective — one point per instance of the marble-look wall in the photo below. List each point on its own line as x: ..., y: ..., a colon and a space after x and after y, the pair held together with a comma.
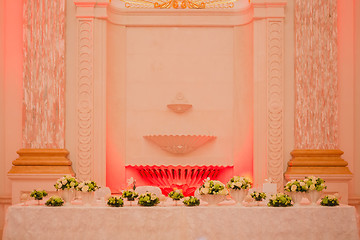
x: 316, y: 80
x: 43, y: 74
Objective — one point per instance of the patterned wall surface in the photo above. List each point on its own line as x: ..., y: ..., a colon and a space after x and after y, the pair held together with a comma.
x: 316, y: 110
x: 44, y: 74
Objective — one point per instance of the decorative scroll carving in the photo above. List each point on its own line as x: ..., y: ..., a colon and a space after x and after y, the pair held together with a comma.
x: 275, y: 101
x: 316, y: 106
x: 179, y: 4
x: 43, y: 74
x: 85, y: 107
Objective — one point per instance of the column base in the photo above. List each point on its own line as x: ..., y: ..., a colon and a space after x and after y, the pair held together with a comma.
x: 326, y: 164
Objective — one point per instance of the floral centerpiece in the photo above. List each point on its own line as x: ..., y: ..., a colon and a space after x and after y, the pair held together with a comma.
x: 239, y: 188
x: 315, y: 183
x: 115, y: 202
x: 176, y: 194
x: 191, y: 201
x: 38, y: 195
x: 258, y: 196
x: 130, y: 195
x: 329, y: 200
x: 87, y: 186
x: 239, y: 183
x: 87, y: 189
x: 54, y: 201
x: 148, y: 199
x: 213, y: 191
x: 315, y: 186
x: 66, y: 182
x: 296, y: 189
x: 280, y: 200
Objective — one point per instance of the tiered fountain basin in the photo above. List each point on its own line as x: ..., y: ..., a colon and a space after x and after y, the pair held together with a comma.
x: 187, y: 178
x: 179, y: 144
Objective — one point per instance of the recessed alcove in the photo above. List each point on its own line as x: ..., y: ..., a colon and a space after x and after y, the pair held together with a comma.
x: 149, y: 63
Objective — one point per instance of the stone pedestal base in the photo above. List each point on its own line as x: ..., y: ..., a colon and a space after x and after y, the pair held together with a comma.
x: 38, y: 169
x: 326, y: 164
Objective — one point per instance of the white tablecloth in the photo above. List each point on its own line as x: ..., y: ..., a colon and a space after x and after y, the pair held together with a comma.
x: 221, y: 222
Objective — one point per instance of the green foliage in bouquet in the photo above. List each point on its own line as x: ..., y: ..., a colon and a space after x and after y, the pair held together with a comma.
x: 66, y: 182
x: 330, y: 201
x: 315, y: 183
x: 130, y: 195
x: 238, y: 183
x: 213, y: 187
x: 54, y: 201
x: 280, y: 200
x: 38, y: 195
x: 258, y: 196
x: 115, y: 202
x: 191, y: 201
x: 176, y: 194
x: 87, y: 186
x: 148, y: 199
x: 296, y: 186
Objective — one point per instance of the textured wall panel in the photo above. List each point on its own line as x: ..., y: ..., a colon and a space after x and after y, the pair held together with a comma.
x: 44, y: 74
x: 316, y: 116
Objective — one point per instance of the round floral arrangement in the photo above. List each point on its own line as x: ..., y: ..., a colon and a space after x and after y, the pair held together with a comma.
x: 115, y: 202
x: 130, y: 195
x: 280, y: 200
x: 87, y: 186
x: 176, y: 194
x: 296, y: 186
x: 191, y: 201
x: 239, y: 183
x: 258, y: 196
x: 213, y: 187
x: 148, y: 199
x: 329, y: 200
x: 38, y: 195
x: 315, y: 183
x: 66, y: 182
x: 54, y: 201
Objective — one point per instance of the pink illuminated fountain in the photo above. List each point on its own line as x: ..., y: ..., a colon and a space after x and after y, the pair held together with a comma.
x: 187, y: 178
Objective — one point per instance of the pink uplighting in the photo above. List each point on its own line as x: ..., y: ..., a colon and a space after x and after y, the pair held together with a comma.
x: 187, y: 178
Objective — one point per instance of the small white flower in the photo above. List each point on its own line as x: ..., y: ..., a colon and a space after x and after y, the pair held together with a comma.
x: 302, y: 184
x: 293, y: 188
x: 59, y: 185
x: 64, y: 182
x: 72, y: 184
x: 312, y: 187
x: 85, y: 188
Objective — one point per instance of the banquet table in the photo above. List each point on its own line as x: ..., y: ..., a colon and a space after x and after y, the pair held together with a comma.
x: 180, y: 222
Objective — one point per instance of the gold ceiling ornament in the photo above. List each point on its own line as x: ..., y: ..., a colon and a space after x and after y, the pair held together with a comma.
x: 177, y: 4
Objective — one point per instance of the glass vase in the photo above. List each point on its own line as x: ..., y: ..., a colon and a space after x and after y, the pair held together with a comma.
x: 313, y: 196
x: 67, y: 195
x: 239, y: 195
x: 87, y: 198
x: 296, y: 198
x: 213, y: 200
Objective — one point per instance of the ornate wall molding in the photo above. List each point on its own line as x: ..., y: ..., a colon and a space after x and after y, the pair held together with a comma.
x: 44, y: 74
x: 275, y: 103
x: 85, y: 102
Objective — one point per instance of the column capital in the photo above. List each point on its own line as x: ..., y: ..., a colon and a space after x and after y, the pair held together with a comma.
x: 91, y: 8
x: 269, y: 8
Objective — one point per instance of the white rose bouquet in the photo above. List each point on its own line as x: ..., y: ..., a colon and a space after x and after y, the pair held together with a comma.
x: 315, y: 183
x: 280, y: 200
x: 176, y: 194
x: 148, y: 199
x: 238, y: 183
x: 87, y: 186
x: 213, y: 187
x: 296, y: 186
x: 191, y: 201
x: 66, y: 182
x: 329, y: 200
